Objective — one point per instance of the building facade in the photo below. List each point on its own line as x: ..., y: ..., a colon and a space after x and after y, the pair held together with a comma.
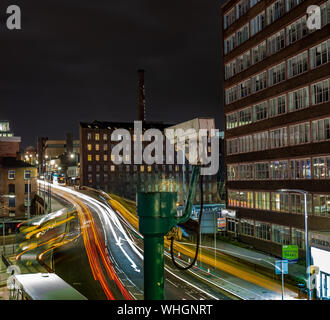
x: 18, y: 182
x: 277, y: 120
x: 97, y: 169
x: 9, y: 144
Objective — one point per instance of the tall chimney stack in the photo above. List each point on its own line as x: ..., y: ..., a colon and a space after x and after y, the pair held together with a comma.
x: 141, y: 96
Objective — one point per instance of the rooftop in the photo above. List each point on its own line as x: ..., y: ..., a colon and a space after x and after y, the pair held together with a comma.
x: 123, y: 125
x: 10, y: 162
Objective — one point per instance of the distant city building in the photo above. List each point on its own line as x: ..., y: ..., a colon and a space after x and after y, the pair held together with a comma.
x: 9, y: 144
x: 30, y: 155
x: 60, y: 157
x: 277, y: 120
x: 55, y: 148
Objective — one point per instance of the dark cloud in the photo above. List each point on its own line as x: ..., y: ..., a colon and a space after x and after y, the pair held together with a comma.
x: 76, y: 60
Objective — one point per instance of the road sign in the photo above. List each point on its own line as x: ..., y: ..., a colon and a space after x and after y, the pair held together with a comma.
x: 278, y: 266
x: 222, y: 224
x: 290, y: 252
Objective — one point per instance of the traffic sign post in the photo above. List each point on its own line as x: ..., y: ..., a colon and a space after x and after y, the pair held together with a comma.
x: 290, y: 253
x: 281, y: 267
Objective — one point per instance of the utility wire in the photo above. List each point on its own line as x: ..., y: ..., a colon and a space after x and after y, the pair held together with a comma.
x: 197, y: 231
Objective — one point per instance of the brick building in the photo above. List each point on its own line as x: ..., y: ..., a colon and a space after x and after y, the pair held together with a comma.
x: 97, y: 169
x: 15, y: 176
x: 277, y: 119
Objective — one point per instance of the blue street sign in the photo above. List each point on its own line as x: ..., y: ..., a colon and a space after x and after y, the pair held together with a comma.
x: 278, y: 266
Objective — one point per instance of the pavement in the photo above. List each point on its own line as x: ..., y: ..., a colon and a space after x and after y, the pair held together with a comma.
x: 295, y: 271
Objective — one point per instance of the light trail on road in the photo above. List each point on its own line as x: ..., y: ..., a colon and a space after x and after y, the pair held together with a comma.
x: 94, y: 245
x: 114, y: 223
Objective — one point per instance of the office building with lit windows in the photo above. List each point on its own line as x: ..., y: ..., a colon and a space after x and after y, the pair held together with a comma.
x: 98, y: 170
x: 276, y: 76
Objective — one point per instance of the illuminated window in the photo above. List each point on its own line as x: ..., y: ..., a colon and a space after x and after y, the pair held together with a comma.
x: 262, y: 200
x: 89, y: 136
x: 11, y: 174
x: 97, y: 136
x: 149, y: 168
x: 112, y: 168
x: 142, y: 168
x: 280, y: 202
x: 89, y: 157
x: 300, y: 169
x: 231, y: 120
x: 27, y: 174
x: 97, y: 157
x: 89, y: 147
x: 105, y: 157
x: 245, y: 117
x: 105, y: 137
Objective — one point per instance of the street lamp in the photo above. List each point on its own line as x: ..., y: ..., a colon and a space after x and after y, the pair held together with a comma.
x: 3, y: 224
x: 306, y: 234
x: 28, y: 204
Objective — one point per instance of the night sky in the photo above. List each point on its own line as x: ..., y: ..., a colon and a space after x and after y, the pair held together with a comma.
x: 77, y: 60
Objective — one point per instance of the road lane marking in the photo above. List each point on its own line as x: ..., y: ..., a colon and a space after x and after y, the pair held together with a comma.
x: 173, y: 284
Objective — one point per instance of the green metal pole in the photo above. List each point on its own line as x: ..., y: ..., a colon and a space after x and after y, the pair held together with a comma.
x: 156, y: 211
x: 154, y: 268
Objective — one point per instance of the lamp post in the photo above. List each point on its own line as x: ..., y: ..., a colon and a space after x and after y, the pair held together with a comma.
x: 306, y: 234
x: 29, y: 196
x: 3, y: 222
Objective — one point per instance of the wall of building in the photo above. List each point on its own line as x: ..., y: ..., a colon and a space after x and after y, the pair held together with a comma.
x: 21, y: 195
x: 311, y: 149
